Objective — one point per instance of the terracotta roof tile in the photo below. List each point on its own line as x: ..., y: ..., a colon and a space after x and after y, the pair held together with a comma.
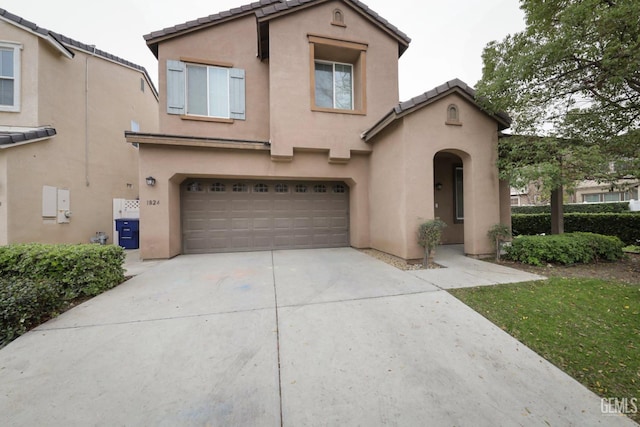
x: 424, y: 99
x: 262, y: 9
x: 211, y: 19
x: 67, y: 41
x: 11, y: 137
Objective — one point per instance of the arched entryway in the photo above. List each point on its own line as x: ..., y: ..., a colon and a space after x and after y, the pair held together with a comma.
x: 448, y: 178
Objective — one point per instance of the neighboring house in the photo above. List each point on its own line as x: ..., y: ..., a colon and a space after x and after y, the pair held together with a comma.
x: 530, y: 195
x: 280, y: 127
x: 63, y: 108
x: 598, y: 192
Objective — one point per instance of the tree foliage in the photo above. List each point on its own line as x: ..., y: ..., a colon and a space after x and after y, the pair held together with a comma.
x: 572, y: 78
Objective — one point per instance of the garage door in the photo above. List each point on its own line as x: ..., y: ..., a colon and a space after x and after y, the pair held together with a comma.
x: 227, y: 216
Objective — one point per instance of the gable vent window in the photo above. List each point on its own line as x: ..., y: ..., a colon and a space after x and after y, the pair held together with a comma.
x: 338, y: 18
x: 453, y: 115
x: 217, y: 187
x: 261, y: 188
x: 210, y: 91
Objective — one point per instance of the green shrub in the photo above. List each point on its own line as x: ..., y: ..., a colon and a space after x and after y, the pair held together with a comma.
x: 429, y: 234
x: 25, y: 303
x: 624, y: 226
x: 569, y: 248
x: 615, y: 207
x: 37, y: 279
x: 79, y: 269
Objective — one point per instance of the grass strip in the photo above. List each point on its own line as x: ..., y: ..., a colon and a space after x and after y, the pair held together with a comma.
x: 589, y: 328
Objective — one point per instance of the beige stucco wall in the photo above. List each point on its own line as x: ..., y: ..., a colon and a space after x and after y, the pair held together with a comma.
x: 232, y: 42
x: 3, y: 199
x: 88, y: 156
x: 423, y: 134
x: 160, y: 226
x: 293, y: 123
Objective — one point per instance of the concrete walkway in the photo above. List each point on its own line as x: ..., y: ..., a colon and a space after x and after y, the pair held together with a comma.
x: 326, y: 337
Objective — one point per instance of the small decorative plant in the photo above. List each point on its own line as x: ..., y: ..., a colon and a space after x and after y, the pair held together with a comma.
x: 429, y: 235
x: 499, y: 233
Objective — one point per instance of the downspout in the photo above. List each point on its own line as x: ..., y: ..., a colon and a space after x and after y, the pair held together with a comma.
x: 86, y: 117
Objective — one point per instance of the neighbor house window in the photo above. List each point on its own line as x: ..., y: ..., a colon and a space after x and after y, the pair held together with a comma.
x: 458, y: 194
x: 610, y: 196
x: 9, y: 77
x: 205, y: 90
x: 334, y: 85
x: 338, y: 75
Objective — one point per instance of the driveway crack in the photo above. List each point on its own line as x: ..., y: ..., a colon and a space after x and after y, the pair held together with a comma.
x: 275, y: 296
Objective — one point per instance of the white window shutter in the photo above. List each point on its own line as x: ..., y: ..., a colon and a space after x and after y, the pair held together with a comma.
x: 236, y: 94
x: 176, y: 72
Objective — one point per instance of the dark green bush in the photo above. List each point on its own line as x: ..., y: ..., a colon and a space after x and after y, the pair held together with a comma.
x: 24, y: 303
x: 625, y: 226
x: 614, y: 207
x: 569, y: 248
x: 37, y: 279
x: 80, y: 269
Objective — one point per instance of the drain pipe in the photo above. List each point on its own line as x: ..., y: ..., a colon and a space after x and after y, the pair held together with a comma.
x: 86, y: 116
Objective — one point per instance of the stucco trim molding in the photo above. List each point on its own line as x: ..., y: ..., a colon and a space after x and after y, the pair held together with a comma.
x: 194, y: 141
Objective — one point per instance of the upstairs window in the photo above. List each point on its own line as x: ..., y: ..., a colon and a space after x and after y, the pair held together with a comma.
x: 208, y: 91
x: 205, y: 90
x: 334, y: 85
x: 9, y: 77
x: 338, y: 75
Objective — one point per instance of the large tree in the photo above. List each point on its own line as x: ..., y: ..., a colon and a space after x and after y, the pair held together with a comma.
x: 571, y: 83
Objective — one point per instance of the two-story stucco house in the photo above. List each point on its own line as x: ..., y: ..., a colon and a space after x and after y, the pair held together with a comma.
x: 281, y: 127
x: 63, y: 108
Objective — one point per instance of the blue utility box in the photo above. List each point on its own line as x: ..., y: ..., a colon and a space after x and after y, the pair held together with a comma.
x: 128, y: 232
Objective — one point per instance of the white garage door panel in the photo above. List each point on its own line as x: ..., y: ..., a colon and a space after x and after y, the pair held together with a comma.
x: 224, y: 215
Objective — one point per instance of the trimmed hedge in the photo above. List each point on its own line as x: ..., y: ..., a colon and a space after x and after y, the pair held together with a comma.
x: 569, y: 248
x: 614, y: 207
x: 24, y: 303
x: 37, y: 279
x: 624, y: 226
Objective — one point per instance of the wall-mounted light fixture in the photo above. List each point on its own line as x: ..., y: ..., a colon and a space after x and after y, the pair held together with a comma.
x: 438, y: 185
x: 151, y: 181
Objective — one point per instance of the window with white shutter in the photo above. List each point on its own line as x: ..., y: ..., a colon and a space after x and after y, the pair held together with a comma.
x: 205, y: 90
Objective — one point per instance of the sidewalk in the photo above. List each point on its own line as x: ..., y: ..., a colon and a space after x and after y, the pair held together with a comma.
x: 460, y: 271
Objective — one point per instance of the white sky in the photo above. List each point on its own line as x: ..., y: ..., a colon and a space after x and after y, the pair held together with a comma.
x: 447, y: 37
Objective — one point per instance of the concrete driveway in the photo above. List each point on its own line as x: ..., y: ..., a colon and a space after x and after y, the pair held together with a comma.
x: 328, y: 337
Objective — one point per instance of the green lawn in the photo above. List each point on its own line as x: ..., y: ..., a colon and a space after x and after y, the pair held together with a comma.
x: 588, y: 328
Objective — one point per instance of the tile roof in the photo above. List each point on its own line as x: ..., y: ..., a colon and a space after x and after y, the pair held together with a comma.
x: 417, y: 102
x: 287, y: 5
x: 14, y: 136
x: 263, y: 10
x: 208, y: 20
x: 66, y: 42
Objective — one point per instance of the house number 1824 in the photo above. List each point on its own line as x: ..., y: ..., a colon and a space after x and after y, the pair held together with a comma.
x: 153, y: 202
